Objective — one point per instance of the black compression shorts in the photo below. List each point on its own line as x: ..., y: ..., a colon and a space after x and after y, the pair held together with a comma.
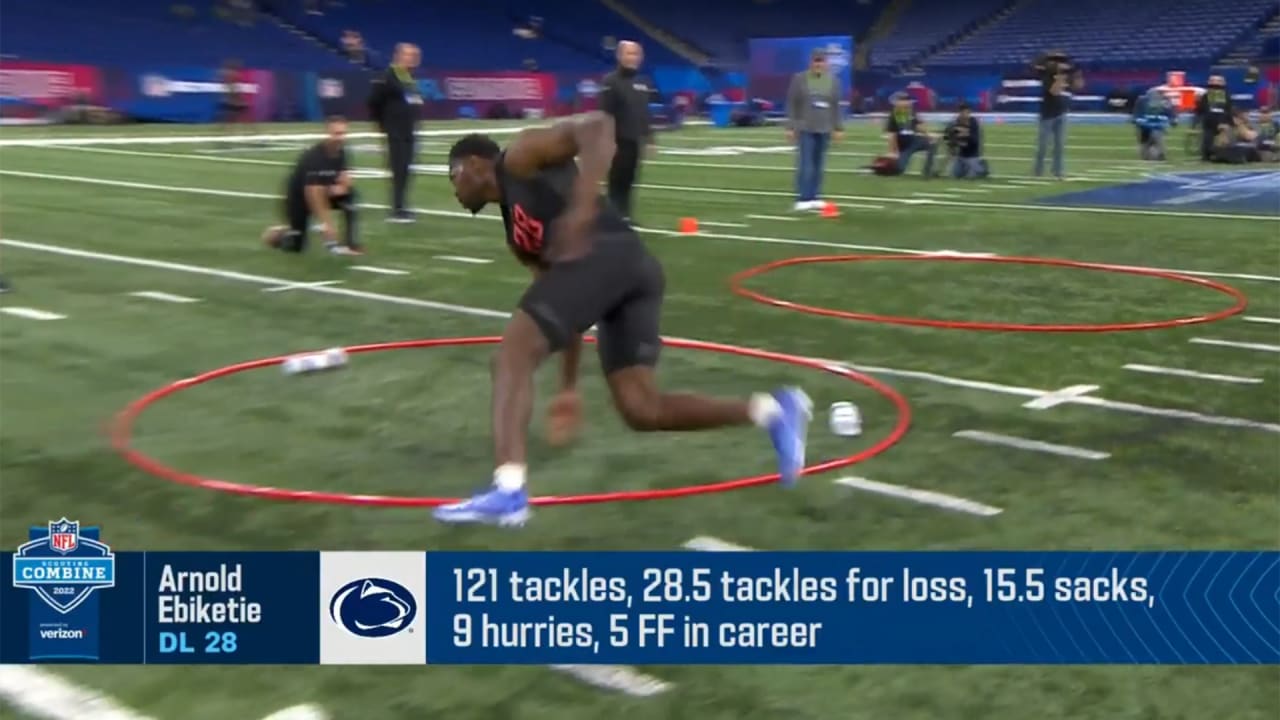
x: 618, y: 287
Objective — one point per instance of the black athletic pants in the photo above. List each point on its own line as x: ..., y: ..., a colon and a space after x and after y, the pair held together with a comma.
x: 622, y: 175
x: 298, y: 215
x: 400, y: 150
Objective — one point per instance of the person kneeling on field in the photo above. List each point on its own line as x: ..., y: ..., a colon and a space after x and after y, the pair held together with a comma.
x: 964, y: 145
x: 906, y: 135
x: 320, y: 183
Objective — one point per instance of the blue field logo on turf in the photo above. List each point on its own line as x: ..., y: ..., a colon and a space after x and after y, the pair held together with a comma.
x: 63, y: 564
x: 1226, y: 192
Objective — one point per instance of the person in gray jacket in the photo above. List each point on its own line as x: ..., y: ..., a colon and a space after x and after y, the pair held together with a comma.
x: 813, y: 120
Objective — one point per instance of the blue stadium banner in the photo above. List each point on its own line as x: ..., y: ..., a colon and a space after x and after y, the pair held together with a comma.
x: 67, y: 597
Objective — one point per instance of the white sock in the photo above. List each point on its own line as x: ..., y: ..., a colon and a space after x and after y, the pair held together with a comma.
x: 763, y: 408
x: 509, y: 477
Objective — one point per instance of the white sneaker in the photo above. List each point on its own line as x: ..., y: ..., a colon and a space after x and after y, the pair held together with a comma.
x: 802, y: 205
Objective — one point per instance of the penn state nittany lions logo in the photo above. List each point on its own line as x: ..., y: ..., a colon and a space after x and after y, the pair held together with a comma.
x: 63, y: 566
x: 373, y: 607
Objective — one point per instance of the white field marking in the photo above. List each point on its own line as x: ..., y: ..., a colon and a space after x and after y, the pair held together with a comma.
x: 1233, y: 344
x: 656, y: 231
x: 961, y: 253
x: 970, y: 191
x: 192, y: 139
x: 1134, y: 408
x: 464, y: 259
x: 1033, y: 445
x: 299, y: 712
x: 706, y: 543
x: 164, y: 296
x: 924, y: 497
x: 933, y: 195
x: 617, y: 678
x: 379, y: 270
x: 1179, y: 372
x: 1029, y: 182
x: 861, y: 206
x: 301, y: 285
x: 31, y: 313
x: 1058, y: 397
x: 44, y: 695
x: 1267, y: 320
x: 710, y: 223
x: 780, y: 218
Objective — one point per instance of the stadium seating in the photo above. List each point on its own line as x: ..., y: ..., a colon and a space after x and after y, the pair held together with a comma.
x: 925, y: 24
x: 721, y: 28
x: 142, y: 33
x: 1106, y: 31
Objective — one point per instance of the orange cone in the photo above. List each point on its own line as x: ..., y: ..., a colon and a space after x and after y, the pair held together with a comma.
x: 688, y: 225
x: 830, y: 210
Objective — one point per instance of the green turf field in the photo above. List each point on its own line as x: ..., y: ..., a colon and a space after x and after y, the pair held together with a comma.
x: 1160, y: 460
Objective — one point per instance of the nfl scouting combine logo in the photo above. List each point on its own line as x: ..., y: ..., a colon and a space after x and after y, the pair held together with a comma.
x: 63, y: 564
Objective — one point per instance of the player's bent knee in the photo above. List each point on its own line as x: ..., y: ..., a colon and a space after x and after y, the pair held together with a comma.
x: 641, y: 416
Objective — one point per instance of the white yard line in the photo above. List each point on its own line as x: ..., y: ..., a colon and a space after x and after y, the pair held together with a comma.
x: 672, y: 233
x: 778, y: 218
x: 31, y: 313
x: 1179, y: 372
x: 379, y: 270
x: 1058, y: 397
x: 163, y: 296
x: 484, y: 312
x: 1032, y: 445
x: 711, y: 223
x: 924, y: 497
x: 1267, y: 320
x: 1263, y: 347
x: 302, y: 285
x: 464, y: 259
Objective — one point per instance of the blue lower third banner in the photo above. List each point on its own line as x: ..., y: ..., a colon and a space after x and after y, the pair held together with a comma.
x: 66, y: 596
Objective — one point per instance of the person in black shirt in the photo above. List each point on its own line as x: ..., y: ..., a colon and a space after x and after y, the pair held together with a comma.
x: 319, y: 182
x: 1213, y: 112
x: 589, y: 268
x: 964, y: 145
x: 395, y: 104
x: 906, y: 135
x: 1058, y: 76
x: 625, y: 95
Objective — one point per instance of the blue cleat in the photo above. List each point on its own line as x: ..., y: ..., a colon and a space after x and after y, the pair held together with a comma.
x: 491, y: 507
x: 789, y: 431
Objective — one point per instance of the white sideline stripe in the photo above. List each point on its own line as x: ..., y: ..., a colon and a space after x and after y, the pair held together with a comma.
x: 31, y: 313
x: 1233, y: 344
x: 860, y: 206
x: 710, y: 223
x: 1058, y: 397
x: 673, y: 233
x: 706, y: 543
x: 164, y: 296
x: 940, y: 196
x: 924, y: 497
x: 1134, y: 408
x: 970, y: 191
x: 1033, y: 445
x: 1179, y: 372
x: 464, y: 259
x: 780, y: 218
x: 617, y: 678
x: 192, y: 139
x: 302, y: 285
x: 1256, y: 319
x: 379, y: 270
x: 1030, y: 183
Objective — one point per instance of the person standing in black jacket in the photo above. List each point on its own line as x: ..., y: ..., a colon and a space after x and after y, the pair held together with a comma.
x: 625, y: 95
x: 395, y: 104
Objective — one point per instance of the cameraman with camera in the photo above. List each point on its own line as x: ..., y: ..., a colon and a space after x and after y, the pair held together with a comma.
x: 963, y: 136
x: 1058, y: 76
x: 1214, y: 115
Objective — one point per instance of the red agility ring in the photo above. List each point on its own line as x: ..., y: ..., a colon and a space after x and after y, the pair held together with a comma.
x: 122, y: 434
x: 1241, y: 302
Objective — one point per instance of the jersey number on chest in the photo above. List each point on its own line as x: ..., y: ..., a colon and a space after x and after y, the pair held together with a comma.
x: 526, y: 230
